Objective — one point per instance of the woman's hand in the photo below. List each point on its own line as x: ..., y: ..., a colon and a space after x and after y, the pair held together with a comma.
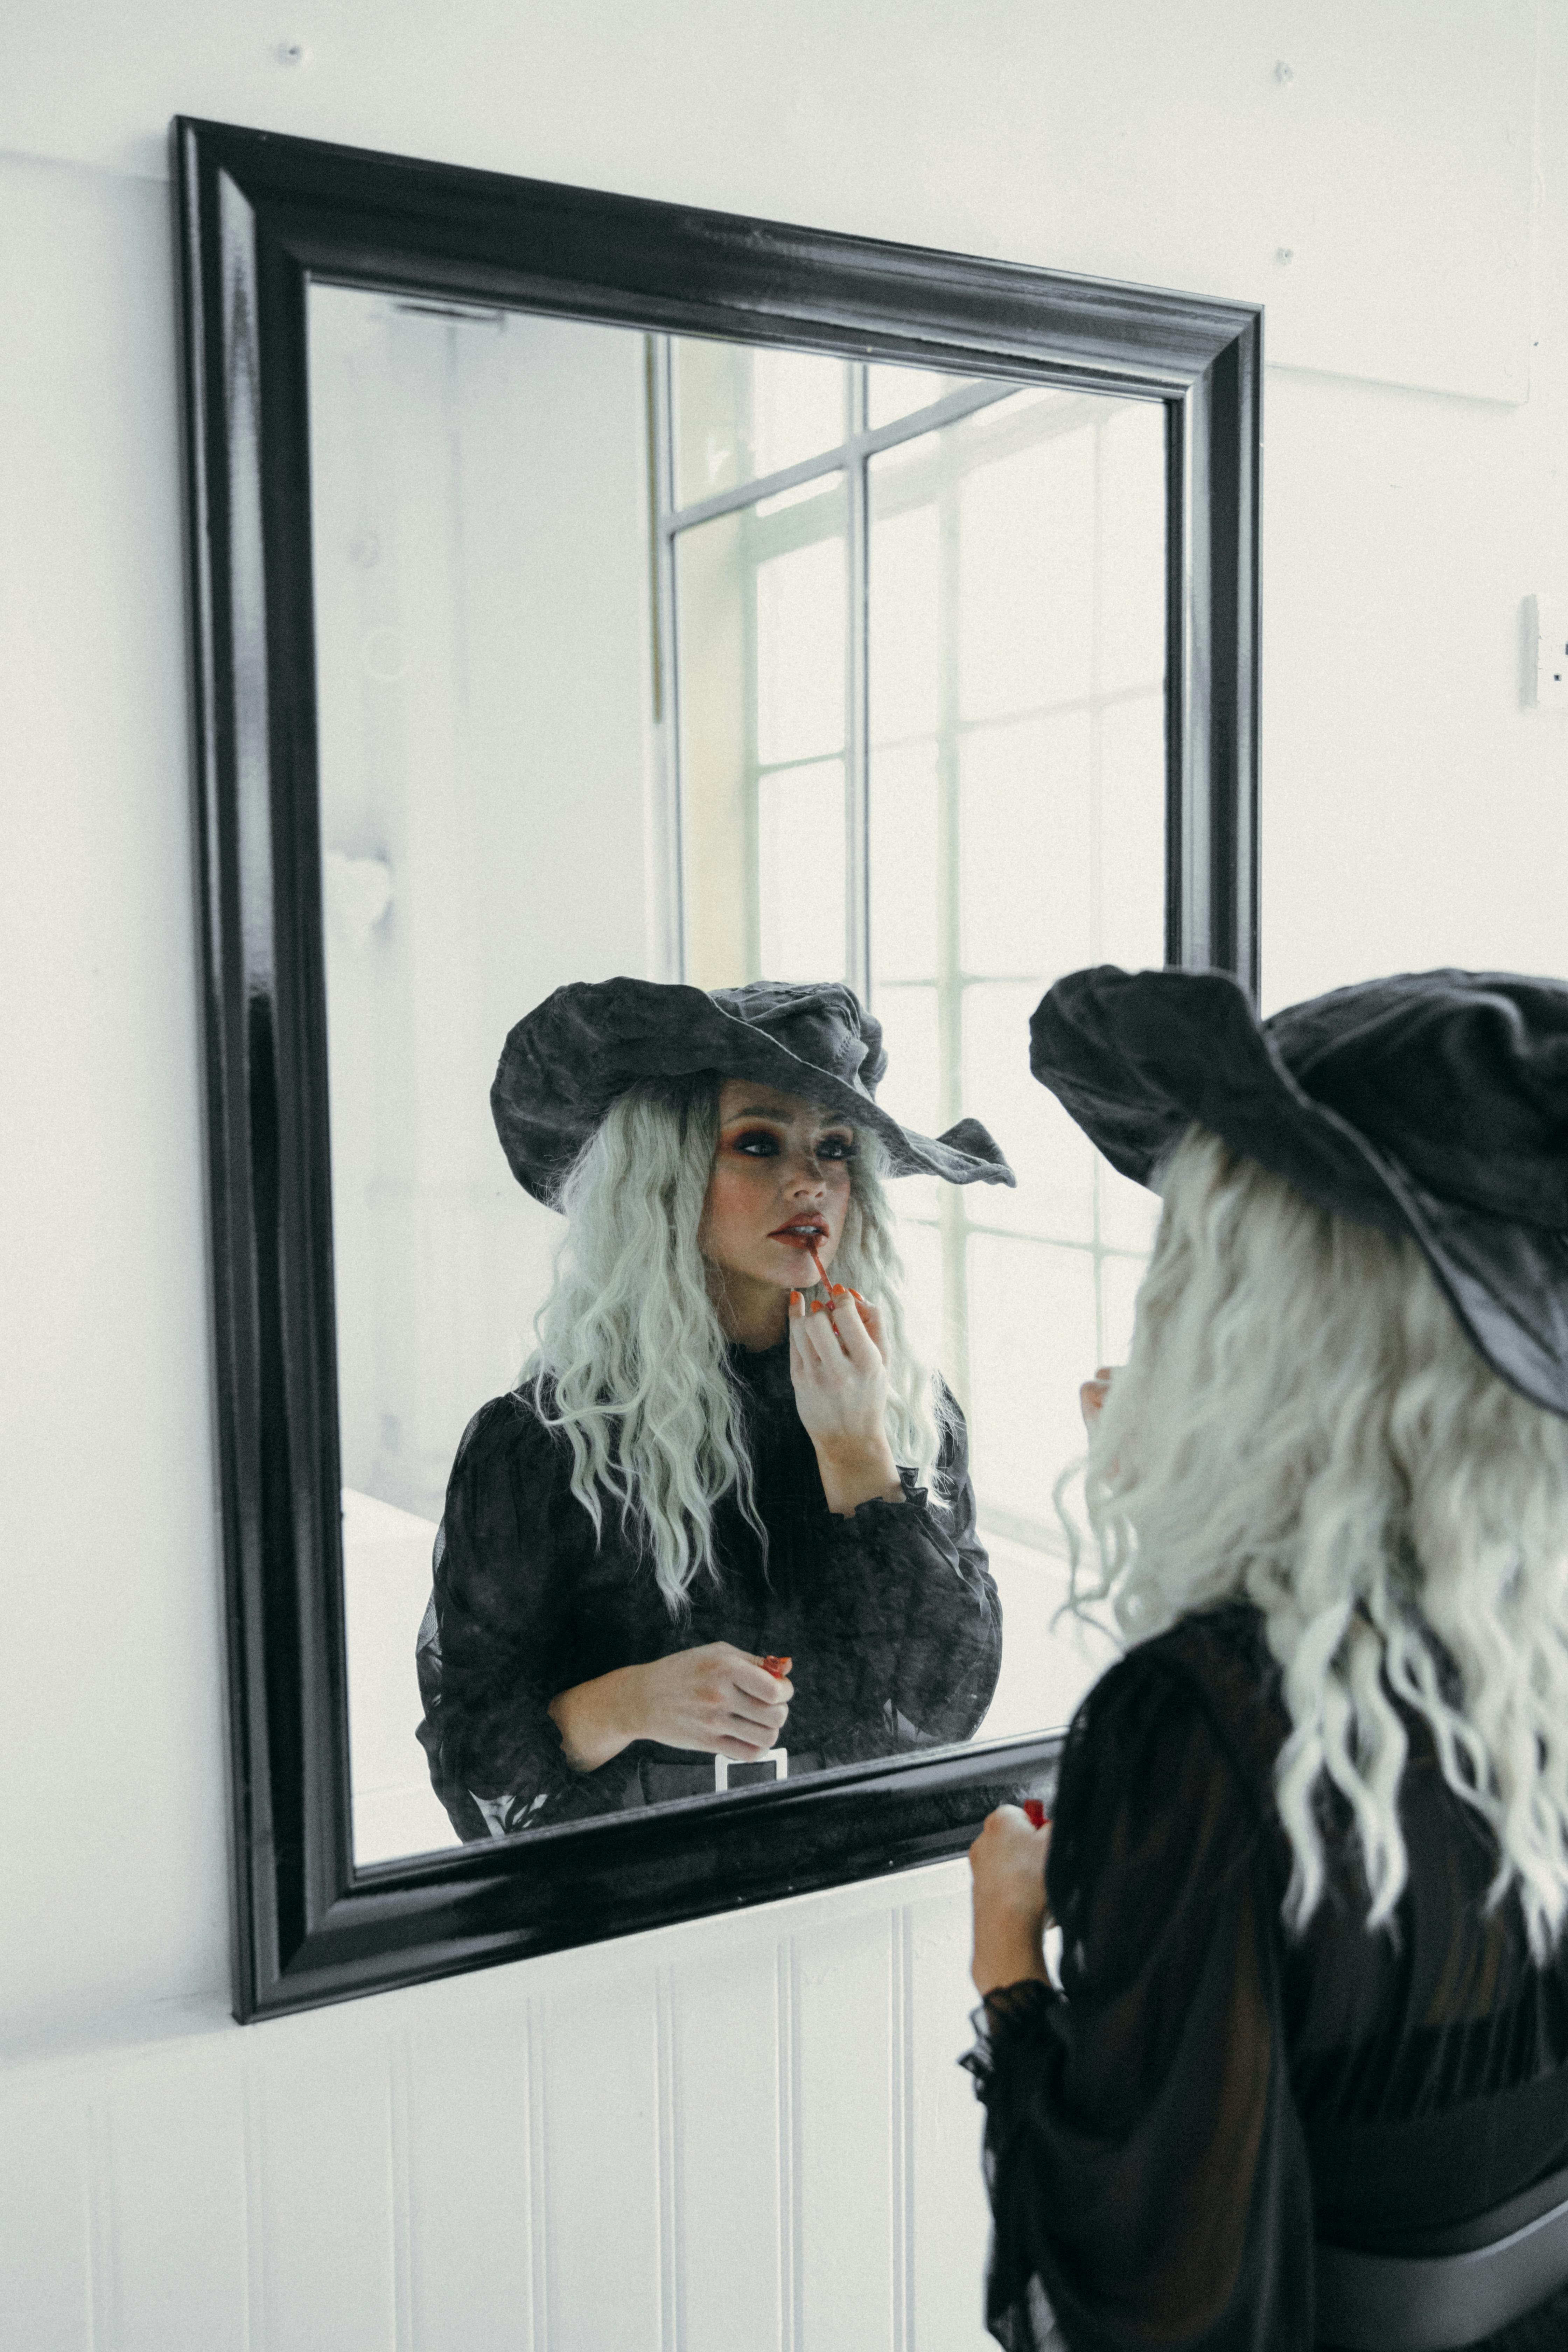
x: 1008, y: 1864
x: 838, y: 1363
x: 718, y: 1698
x: 1091, y: 1396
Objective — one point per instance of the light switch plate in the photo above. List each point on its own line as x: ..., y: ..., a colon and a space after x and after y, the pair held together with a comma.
x: 1548, y: 625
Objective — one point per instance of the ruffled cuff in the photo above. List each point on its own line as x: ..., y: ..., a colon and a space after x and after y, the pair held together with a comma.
x: 1012, y: 2021
x: 540, y: 1775
x: 881, y: 1516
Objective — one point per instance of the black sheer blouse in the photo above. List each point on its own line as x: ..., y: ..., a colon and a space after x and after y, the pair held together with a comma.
x: 891, y: 1615
x: 1166, y: 2135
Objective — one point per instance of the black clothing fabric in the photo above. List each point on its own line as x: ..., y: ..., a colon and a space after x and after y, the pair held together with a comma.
x: 891, y: 1615
x: 1431, y: 1103
x: 1165, y: 2135
x: 564, y: 1062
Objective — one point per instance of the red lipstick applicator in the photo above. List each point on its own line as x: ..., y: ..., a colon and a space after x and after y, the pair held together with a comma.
x: 826, y: 1306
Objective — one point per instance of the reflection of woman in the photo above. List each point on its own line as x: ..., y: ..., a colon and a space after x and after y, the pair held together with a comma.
x: 1309, y: 1857
x: 689, y: 1525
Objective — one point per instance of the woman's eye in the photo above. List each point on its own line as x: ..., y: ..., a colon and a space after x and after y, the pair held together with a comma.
x: 761, y: 1143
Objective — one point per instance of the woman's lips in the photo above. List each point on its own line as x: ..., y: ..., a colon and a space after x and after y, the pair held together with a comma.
x: 799, y: 1236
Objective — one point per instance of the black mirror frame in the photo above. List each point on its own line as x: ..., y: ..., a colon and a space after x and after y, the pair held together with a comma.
x: 257, y: 215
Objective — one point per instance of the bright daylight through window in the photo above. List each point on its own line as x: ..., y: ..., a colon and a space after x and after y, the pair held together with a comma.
x: 915, y: 648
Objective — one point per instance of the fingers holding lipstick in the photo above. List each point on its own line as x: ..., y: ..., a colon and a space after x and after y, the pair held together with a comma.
x: 841, y: 1327
x: 872, y: 1322
x: 841, y: 1382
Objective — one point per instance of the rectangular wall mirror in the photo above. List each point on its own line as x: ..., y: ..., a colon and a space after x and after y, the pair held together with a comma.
x: 580, y: 587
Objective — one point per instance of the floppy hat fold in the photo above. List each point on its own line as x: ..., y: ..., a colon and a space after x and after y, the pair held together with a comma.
x: 565, y: 1063
x: 1433, y: 1104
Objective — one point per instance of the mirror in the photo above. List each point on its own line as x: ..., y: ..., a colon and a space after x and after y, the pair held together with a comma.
x: 584, y: 597
x: 585, y: 587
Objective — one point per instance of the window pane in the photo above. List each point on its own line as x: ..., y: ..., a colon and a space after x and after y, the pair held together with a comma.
x: 799, y: 406
x: 903, y: 615
x: 920, y: 1247
x: 800, y: 871
x: 1049, y: 1153
x: 742, y: 413
x: 761, y: 631
x: 1032, y: 1317
x: 801, y: 630
x: 1132, y: 833
x: 1026, y: 573
x: 895, y: 392
x: 1026, y: 816
x: 717, y: 703
x: 1047, y: 1662
x: 911, y: 1089
x: 904, y: 873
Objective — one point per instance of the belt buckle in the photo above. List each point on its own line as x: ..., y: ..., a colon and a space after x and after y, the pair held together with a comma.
x: 777, y: 1757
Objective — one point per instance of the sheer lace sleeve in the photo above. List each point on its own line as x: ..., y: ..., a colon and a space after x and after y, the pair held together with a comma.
x: 490, y: 1650
x: 921, y: 1623
x: 1147, y: 2169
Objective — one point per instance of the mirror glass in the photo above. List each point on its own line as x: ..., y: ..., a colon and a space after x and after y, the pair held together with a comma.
x: 699, y: 660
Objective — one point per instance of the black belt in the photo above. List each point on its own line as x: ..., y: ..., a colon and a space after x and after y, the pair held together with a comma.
x: 663, y: 1780
x: 1436, y: 2301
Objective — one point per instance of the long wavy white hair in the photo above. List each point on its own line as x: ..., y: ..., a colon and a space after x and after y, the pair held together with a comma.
x: 1302, y: 1421
x: 630, y: 1360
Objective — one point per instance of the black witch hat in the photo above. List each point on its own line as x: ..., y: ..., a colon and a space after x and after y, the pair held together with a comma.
x: 1433, y: 1104
x: 565, y: 1062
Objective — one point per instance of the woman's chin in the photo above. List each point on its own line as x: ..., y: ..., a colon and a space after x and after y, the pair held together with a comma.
x: 802, y: 1269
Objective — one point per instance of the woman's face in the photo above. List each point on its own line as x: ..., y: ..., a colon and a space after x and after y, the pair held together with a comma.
x: 780, y: 1184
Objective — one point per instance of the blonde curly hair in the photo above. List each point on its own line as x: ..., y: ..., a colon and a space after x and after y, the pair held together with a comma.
x: 1301, y: 1422
x: 631, y: 1358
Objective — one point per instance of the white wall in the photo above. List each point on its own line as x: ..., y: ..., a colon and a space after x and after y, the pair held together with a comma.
x: 520, y: 2159
x: 481, y: 518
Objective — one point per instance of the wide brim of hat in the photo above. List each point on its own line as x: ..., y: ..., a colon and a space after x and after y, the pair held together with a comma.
x: 1136, y: 1058
x: 565, y: 1063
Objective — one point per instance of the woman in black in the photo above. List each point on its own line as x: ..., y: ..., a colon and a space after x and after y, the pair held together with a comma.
x: 1310, y: 1853
x: 717, y: 1504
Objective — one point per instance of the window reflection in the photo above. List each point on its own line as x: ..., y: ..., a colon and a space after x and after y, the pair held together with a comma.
x: 910, y: 629
x: 1007, y: 809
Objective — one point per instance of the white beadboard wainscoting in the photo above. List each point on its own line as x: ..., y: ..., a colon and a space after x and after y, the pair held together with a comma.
x: 746, y: 2132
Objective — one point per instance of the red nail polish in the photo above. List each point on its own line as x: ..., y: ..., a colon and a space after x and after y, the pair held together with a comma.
x: 1038, y: 1817
x: 777, y: 1667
